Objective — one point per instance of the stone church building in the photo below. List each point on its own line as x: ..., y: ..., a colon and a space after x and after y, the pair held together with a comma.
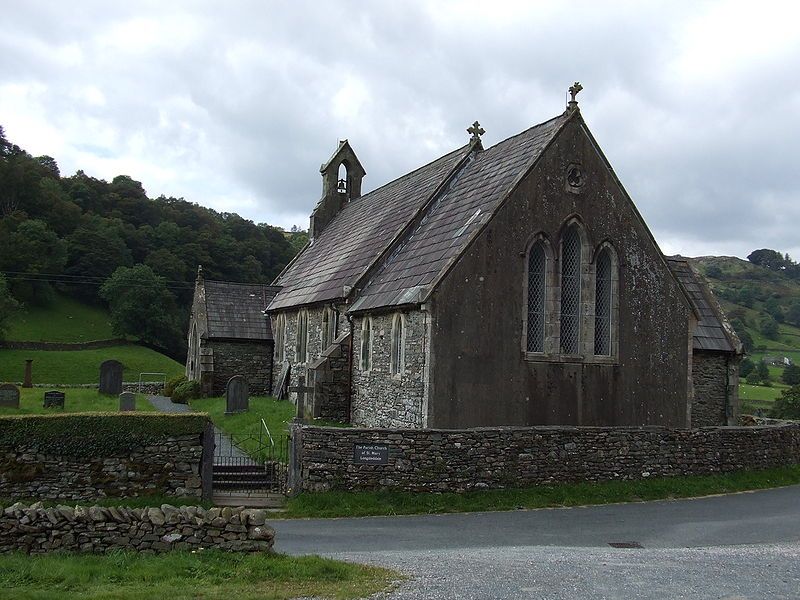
x: 229, y: 335
x: 513, y: 285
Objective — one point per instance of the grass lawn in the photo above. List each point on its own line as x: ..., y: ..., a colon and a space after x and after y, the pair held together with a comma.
x: 276, y: 414
x: 182, y: 576
x: 65, y: 320
x: 31, y: 402
x: 83, y: 366
x: 759, y: 392
x: 388, y: 502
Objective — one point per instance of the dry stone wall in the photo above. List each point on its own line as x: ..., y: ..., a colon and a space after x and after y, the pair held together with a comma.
x: 84, y: 457
x: 458, y: 460
x: 35, y: 529
x: 381, y: 399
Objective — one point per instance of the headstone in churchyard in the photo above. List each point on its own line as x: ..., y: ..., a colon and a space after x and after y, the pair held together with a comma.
x: 28, y: 381
x: 111, y: 377
x: 237, y: 395
x: 9, y: 395
x: 54, y: 399
x: 305, y: 397
x: 127, y: 401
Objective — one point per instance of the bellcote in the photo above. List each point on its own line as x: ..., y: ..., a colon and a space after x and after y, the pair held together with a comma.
x: 341, y: 183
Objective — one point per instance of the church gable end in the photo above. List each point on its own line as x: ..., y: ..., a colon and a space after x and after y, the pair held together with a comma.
x: 562, y: 309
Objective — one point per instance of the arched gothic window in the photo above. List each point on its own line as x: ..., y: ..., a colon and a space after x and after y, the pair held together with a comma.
x: 280, y: 337
x: 301, y: 343
x: 329, y: 322
x: 398, y: 345
x: 571, y: 290
x: 603, y: 314
x: 537, y: 293
x: 366, y: 344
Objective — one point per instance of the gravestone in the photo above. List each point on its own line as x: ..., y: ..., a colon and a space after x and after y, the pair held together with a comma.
x: 237, y: 395
x: 28, y: 382
x: 305, y: 398
x: 111, y: 377
x: 127, y: 401
x: 9, y: 395
x: 54, y: 399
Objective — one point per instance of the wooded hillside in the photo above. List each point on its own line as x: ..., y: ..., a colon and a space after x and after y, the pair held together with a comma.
x: 73, y: 233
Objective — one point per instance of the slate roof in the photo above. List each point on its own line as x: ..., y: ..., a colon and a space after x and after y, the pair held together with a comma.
x: 713, y: 331
x: 236, y: 310
x: 359, y: 234
x: 414, y: 268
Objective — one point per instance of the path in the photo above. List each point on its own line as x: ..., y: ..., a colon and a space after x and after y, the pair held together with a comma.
x: 736, y: 546
x: 224, y: 451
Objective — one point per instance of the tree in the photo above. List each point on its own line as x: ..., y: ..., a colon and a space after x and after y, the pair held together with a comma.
x: 714, y: 272
x: 791, y: 375
x: 746, y: 367
x: 788, y: 405
x: 31, y: 249
x: 7, y: 302
x: 142, y: 306
x: 769, y: 327
x: 762, y: 371
x: 770, y: 259
x: 793, y: 313
x: 774, y: 309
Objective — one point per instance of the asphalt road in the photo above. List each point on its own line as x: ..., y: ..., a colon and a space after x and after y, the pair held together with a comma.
x: 737, y: 546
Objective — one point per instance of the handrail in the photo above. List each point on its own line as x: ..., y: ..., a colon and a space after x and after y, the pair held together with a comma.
x: 264, y: 425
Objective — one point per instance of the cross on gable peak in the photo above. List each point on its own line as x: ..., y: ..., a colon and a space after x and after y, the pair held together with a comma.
x: 477, y: 131
x: 573, y: 91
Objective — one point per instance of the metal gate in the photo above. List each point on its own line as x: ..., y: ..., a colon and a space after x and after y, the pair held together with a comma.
x: 250, y: 463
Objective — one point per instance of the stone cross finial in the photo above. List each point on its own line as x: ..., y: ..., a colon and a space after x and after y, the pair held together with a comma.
x: 477, y: 131
x: 573, y: 91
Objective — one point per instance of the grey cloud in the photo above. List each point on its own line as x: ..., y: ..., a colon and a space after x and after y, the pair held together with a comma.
x: 241, y: 101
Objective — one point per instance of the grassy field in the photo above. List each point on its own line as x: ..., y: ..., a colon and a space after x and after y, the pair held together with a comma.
x: 83, y: 366
x: 77, y: 400
x: 208, y: 574
x: 65, y: 320
x: 390, y: 502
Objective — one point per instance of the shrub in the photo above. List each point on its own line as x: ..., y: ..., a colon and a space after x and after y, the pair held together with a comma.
x: 753, y: 378
x: 188, y: 390
x: 171, y: 384
x: 788, y: 405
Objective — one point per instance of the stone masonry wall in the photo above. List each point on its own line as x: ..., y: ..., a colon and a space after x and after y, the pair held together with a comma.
x: 381, y: 399
x: 457, y: 460
x: 329, y: 375
x: 35, y: 530
x: 710, y: 381
x: 314, y: 345
x: 251, y: 359
x: 168, y: 466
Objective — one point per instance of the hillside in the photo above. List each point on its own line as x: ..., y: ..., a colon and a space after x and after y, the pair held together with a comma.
x: 66, y: 320
x: 763, y: 305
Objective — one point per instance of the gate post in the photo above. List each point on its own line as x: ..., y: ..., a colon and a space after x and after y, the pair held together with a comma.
x: 207, y: 462
x: 294, y: 477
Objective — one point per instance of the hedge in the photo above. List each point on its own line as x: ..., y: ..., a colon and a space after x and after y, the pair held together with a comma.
x: 95, y: 434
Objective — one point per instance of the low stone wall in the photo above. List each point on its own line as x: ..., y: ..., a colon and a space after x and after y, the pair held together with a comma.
x: 35, y: 530
x: 84, y: 457
x: 90, y: 345
x: 326, y: 458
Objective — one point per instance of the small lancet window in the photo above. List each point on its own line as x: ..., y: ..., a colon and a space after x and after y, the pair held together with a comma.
x: 280, y: 337
x: 366, y: 344
x: 570, y: 290
x: 301, y: 346
x: 537, y: 290
x: 603, y: 300
x: 398, y: 341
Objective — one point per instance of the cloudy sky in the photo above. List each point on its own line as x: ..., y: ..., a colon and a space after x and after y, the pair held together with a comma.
x: 234, y: 105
